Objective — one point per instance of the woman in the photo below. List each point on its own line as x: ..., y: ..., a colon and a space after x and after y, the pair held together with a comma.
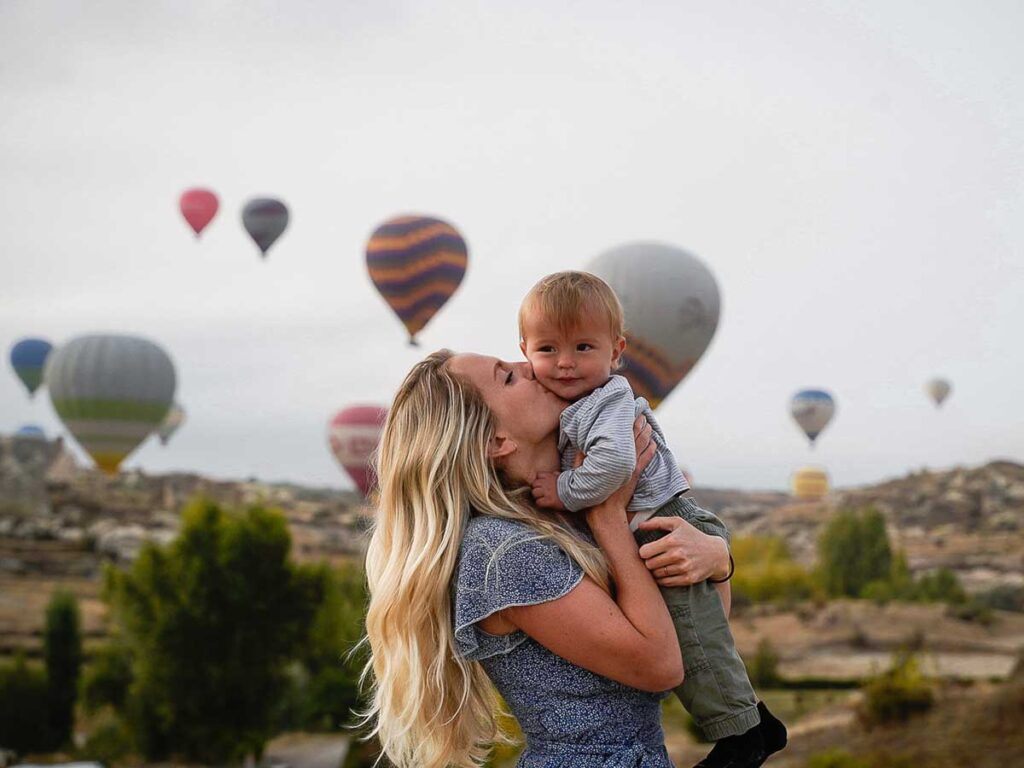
x: 471, y: 584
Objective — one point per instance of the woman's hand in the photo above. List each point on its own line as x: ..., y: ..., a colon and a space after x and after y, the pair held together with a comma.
x: 684, y: 555
x: 616, y: 503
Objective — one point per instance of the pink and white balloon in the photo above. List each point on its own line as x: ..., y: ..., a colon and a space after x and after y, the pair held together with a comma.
x: 354, y: 434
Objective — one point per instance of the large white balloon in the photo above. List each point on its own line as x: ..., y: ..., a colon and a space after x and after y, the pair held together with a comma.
x: 672, y: 305
x: 111, y: 392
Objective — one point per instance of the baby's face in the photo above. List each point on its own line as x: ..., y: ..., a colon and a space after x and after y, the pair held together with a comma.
x: 574, y: 363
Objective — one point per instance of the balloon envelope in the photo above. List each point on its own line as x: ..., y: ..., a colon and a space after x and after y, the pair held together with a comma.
x: 264, y: 218
x: 813, y: 410
x: 810, y: 483
x: 938, y: 390
x: 417, y: 263
x: 198, y: 206
x: 111, y: 392
x: 353, y: 434
x: 28, y: 358
x: 174, y: 419
x: 671, y: 303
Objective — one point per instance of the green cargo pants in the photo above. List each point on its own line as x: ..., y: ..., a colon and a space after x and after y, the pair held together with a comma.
x: 715, y: 690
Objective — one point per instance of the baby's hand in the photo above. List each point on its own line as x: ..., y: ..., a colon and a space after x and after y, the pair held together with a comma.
x: 545, y: 491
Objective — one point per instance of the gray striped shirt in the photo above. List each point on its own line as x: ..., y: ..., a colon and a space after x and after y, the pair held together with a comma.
x: 601, y: 425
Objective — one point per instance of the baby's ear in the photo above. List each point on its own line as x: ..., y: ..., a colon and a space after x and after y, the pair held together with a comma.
x: 522, y: 347
x: 618, y: 347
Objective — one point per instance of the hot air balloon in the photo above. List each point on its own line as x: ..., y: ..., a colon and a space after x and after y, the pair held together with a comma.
x: 28, y: 358
x: 417, y: 263
x: 264, y: 219
x: 353, y: 434
x: 671, y: 303
x: 31, y: 432
x: 174, y: 419
x: 111, y: 392
x: 198, y: 206
x: 810, y: 483
x: 813, y: 410
x: 938, y: 390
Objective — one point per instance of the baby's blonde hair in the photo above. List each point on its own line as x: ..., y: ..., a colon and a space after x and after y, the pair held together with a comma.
x: 434, y: 709
x: 565, y: 298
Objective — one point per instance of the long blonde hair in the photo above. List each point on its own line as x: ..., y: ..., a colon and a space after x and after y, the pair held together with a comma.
x: 432, y: 708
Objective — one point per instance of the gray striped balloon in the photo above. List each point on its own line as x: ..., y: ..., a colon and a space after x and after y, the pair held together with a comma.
x: 111, y: 392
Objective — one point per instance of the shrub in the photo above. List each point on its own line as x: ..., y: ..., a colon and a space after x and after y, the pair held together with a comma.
x: 24, y: 708
x: 62, y: 649
x: 106, y: 680
x: 1003, y: 598
x: 766, y: 572
x: 853, y: 551
x: 109, y: 742
x: 763, y: 669
x: 836, y: 758
x: 897, y: 694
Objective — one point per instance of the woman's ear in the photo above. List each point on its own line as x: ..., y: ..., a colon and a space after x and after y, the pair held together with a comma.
x: 500, y: 447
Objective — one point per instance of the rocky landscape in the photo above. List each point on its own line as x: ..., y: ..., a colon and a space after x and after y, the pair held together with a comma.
x: 59, y: 523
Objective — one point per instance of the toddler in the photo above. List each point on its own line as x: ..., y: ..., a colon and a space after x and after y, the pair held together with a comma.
x: 571, y: 330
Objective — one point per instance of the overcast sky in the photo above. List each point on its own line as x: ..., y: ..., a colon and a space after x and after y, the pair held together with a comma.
x: 851, y: 172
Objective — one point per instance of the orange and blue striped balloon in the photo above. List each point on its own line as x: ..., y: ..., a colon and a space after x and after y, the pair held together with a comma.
x: 417, y: 263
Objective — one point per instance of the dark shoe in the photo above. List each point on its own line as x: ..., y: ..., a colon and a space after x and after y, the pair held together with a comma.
x: 743, y: 751
x: 773, y: 732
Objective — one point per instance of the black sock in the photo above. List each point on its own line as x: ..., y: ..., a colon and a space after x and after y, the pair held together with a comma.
x: 772, y: 730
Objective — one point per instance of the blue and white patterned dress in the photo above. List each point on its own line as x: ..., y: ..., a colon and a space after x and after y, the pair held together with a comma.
x: 571, y: 717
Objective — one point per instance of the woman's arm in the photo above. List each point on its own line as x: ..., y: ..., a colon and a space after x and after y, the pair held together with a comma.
x: 628, y: 638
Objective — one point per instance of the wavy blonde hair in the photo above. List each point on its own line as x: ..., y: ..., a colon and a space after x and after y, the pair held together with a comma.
x: 431, y: 707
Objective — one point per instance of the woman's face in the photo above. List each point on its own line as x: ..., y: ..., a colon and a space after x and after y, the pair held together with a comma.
x: 525, y: 410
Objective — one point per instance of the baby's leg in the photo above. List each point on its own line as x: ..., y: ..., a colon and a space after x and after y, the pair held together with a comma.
x: 715, y: 690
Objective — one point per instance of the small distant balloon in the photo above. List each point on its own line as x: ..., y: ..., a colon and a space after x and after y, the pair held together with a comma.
x: 938, y: 390
x: 111, y: 392
x: 264, y: 218
x: 198, y: 206
x: 671, y: 304
x: 31, y: 432
x: 28, y: 358
x: 417, y: 263
x: 813, y: 410
x: 353, y: 434
x: 810, y: 483
x: 174, y: 419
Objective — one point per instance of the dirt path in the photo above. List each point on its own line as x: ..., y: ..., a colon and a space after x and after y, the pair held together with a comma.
x: 307, y: 750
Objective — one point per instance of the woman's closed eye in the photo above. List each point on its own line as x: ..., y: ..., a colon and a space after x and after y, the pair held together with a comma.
x: 508, y: 379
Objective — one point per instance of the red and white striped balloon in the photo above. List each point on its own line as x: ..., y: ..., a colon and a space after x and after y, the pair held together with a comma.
x: 353, y: 434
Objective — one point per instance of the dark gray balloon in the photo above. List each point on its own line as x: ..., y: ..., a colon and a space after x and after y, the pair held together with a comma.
x: 264, y: 218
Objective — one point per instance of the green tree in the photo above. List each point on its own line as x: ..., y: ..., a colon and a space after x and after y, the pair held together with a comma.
x: 853, y: 551
x: 334, y: 671
x: 62, y: 650
x: 211, y: 622
x: 24, y: 710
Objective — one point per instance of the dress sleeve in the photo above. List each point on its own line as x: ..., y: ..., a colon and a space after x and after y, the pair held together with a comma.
x: 503, y: 564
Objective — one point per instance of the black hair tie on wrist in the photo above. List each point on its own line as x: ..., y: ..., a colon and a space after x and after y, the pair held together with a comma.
x: 732, y: 570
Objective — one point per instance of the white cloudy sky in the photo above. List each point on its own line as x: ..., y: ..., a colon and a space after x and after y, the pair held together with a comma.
x: 852, y: 172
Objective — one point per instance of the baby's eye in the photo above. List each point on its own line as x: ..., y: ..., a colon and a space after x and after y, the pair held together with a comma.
x: 584, y: 347
x: 546, y: 348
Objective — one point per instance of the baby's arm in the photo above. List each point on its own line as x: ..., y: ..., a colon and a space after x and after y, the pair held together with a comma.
x: 605, y: 437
